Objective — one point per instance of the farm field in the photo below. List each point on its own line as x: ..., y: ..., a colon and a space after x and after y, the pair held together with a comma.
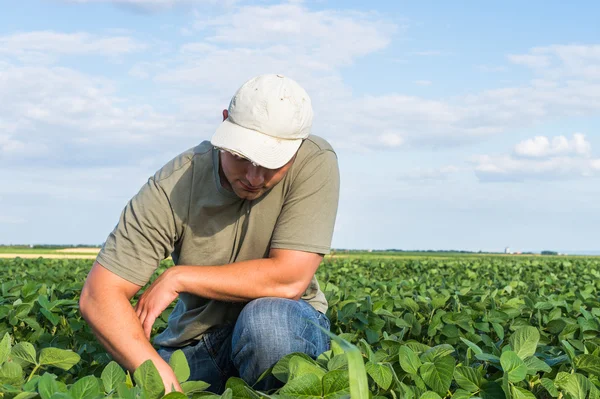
x: 419, y: 327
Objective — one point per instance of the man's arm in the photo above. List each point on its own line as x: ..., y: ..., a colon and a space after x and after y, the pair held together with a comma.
x: 284, y: 274
x: 104, y: 304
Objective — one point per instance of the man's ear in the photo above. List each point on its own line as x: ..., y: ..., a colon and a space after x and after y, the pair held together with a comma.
x: 225, y: 114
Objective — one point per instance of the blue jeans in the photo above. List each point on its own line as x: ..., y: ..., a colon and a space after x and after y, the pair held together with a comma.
x: 266, y: 330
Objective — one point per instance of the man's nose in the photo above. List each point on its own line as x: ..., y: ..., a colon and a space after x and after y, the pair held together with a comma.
x: 255, y: 175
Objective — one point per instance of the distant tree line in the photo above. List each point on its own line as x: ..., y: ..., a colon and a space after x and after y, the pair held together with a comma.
x: 49, y: 246
x: 549, y: 253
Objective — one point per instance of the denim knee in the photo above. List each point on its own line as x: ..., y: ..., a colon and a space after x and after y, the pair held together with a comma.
x: 269, y: 328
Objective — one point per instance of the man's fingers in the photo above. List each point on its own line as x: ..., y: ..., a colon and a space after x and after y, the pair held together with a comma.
x: 143, y: 315
x: 147, y: 324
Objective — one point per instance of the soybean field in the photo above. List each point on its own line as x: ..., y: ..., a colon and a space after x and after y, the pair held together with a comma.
x: 417, y: 327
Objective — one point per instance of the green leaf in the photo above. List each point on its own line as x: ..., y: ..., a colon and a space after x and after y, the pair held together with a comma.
x: 435, y: 352
x: 4, y: 348
x: 521, y: 393
x: 359, y: 384
x: 44, y: 302
x: 112, y: 376
x: 431, y: 395
x: 306, y: 386
x: 491, y: 390
x: 179, y: 364
x: 550, y: 387
x: 124, y: 391
x: 513, y: 366
x: 336, y: 384
x: 281, y: 369
x: 524, y: 341
x: 26, y: 395
x: 499, y: 330
x: 577, y: 385
x: 175, y: 395
x: 190, y: 387
x: 534, y: 365
x: 461, y: 394
x: 31, y: 384
x: 594, y: 392
x: 438, y: 375
x: 409, y: 361
x: 468, y: 378
x: 588, y: 363
x: 228, y: 394
x: 11, y: 373
x: 299, y: 366
x: 24, y: 352
x: 239, y: 389
x: 568, y: 349
x: 476, y: 349
x: 61, y: 358
x: 338, y: 362
x: 86, y: 388
x: 148, y: 378
x: 561, y: 379
x: 50, y: 316
x: 380, y: 373
x: 486, y: 357
x: 47, y: 386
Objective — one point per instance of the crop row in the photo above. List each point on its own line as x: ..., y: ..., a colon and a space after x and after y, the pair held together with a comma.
x: 418, y: 328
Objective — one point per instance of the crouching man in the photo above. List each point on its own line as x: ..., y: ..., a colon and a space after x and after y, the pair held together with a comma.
x: 247, y: 219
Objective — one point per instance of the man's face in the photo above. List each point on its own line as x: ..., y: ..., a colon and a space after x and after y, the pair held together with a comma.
x: 246, y: 180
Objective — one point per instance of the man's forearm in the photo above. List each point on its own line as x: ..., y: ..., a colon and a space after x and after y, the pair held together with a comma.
x: 119, y: 330
x: 240, y: 281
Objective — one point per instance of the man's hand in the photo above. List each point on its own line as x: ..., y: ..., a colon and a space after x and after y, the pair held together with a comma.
x: 169, y: 380
x: 156, y: 299
x: 105, y: 305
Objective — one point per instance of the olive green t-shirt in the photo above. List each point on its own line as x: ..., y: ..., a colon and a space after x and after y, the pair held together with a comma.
x: 184, y: 212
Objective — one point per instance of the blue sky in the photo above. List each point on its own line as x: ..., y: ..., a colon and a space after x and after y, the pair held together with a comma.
x: 458, y: 125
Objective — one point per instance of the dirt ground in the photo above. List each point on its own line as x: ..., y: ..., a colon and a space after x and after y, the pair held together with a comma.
x: 48, y: 256
x: 78, y: 250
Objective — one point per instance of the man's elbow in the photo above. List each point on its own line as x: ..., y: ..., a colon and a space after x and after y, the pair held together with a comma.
x: 293, y: 291
x: 85, y: 303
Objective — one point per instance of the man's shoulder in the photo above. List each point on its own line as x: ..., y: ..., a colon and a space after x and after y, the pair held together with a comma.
x: 182, y: 162
x: 315, y: 144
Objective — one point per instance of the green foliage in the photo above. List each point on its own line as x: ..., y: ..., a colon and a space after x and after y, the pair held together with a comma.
x: 415, y: 328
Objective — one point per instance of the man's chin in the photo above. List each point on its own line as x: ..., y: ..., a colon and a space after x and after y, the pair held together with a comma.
x: 249, y: 195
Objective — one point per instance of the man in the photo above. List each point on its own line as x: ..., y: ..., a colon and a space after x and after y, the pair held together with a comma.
x: 247, y: 219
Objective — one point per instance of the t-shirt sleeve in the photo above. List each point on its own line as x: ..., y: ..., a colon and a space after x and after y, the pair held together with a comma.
x: 145, y: 235
x: 308, y: 215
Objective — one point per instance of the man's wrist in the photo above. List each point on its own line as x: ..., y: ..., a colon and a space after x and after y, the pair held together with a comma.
x: 176, y: 277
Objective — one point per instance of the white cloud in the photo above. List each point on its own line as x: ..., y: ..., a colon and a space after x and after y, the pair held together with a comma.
x: 58, y: 116
x: 423, y: 82
x: 563, y: 61
x: 542, y: 146
x: 331, y: 37
x: 390, y: 140
x: 541, y: 158
x: 530, y: 60
x: 312, y: 47
x: 46, y: 46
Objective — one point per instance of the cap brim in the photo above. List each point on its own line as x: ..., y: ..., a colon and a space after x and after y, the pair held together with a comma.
x: 260, y: 148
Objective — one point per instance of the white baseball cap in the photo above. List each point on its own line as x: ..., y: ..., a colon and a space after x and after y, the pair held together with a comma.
x: 269, y: 116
